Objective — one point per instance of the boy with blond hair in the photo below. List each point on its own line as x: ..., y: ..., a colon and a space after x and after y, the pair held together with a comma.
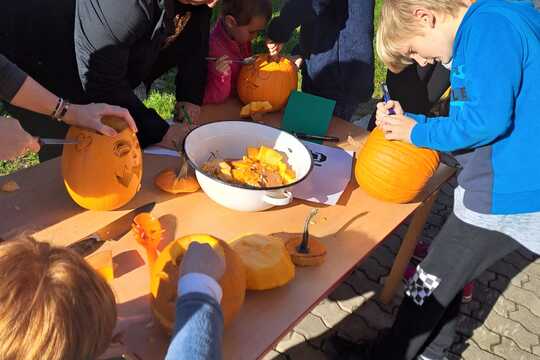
x: 494, y: 47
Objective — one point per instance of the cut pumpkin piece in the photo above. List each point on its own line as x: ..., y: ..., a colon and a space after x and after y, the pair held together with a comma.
x: 268, y: 264
x: 315, y: 255
x: 269, y: 156
x: 168, y: 181
x: 255, y: 107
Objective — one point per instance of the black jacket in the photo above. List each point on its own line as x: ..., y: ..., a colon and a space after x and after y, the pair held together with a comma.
x: 99, y: 50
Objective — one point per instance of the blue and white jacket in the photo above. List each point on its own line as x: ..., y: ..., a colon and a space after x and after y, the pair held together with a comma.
x: 494, y: 108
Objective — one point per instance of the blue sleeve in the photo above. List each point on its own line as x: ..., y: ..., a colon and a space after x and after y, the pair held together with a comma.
x: 419, y: 118
x: 293, y: 14
x: 198, y: 329
x: 492, y: 69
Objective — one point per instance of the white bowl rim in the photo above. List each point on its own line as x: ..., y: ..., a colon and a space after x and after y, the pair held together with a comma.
x: 245, y: 186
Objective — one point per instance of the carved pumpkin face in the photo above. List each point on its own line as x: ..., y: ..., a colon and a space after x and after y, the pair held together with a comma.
x: 101, y: 172
x: 268, y: 79
x: 165, y: 272
x: 393, y: 170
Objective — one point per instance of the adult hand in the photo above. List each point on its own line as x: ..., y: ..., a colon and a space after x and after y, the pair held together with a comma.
x: 297, y: 60
x: 273, y: 48
x: 14, y: 141
x: 201, y: 258
x: 397, y: 127
x: 193, y: 111
x: 174, y: 136
x: 223, y: 65
x: 89, y: 116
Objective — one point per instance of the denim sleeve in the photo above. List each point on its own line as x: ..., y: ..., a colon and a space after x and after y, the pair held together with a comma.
x: 11, y: 79
x: 198, y: 329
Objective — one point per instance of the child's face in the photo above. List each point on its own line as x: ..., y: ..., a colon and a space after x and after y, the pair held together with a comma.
x: 245, y: 33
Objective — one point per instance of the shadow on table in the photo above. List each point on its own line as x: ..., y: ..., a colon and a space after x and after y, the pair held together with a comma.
x: 354, y: 311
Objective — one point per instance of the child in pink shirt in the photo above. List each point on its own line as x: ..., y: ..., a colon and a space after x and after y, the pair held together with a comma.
x: 238, y: 25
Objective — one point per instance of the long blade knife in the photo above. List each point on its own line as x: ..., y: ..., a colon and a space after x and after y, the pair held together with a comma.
x: 48, y: 141
x: 113, y: 231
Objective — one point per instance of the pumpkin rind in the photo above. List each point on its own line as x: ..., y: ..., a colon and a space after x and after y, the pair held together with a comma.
x: 269, y: 79
x: 102, y: 172
x: 165, y: 272
x: 393, y: 170
x: 267, y: 262
x: 316, y: 253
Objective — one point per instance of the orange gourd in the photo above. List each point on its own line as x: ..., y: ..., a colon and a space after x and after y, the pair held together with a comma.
x: 165, y: 272
x: 269, y: 79
x: 393, y: 170
x: 102, y: 172
x: 169, y: 181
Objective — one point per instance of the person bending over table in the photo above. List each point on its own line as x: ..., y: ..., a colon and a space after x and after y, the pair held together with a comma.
x: 100, y: 50
x: 21, y: 90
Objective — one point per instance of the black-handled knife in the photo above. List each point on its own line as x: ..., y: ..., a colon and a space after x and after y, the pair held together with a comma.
x: 112, y: 231
x: 304, y: 136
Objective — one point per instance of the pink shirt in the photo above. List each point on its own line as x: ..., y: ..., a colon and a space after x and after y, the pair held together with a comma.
x: 218, y: 86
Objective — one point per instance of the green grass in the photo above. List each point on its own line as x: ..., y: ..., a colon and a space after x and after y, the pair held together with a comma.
x: 162, y: 97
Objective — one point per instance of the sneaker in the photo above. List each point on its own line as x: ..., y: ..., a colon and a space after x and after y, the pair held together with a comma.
x: 467, y: 293
x: 420, y: 251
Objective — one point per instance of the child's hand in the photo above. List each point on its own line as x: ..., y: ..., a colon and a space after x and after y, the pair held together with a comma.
x: 297, y: 60
x: 223, y: 65
x: 201, y: 258
x: 273, y: 48
x: 383, y: 109
x: 397, y: 127
x: 14, y: 141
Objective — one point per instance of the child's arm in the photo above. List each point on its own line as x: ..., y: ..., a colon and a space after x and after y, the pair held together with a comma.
x: 218, y: 83
x: 293, y: 14
x: 493, y: 71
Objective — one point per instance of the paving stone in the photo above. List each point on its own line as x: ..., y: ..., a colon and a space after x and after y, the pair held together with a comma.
x: 313, y: 329
x: 374, y: 315
x: 383, y: 256
x: 486, y: 277
x: 501, y: 283
x: 504, y: 269
x: 487, y: 297
x: 504, y: 306
x: 274, y: 355
x: 473, y: 352
x: 483, y: 337
x: 393, y: 243
x: 355, y: 328
x: 469, y: 308
x: 330, y: 313
x: 507, y: 349
x: 305, y: 352
x: 520, y: 279
x: 290, y: 340
x: 516, y: 259
x: 525, y: 297
x: 533, y: 269
x: 401, y: 230
x: 373, y: 270
x: 363, y: 285
x: 532, y: 284
x: 527, y: 254
x: 526, y: 318
x: 347, y: 298
x: 511, y: 329
x: 536, y: 350
x: 435, y: 220
x: 447, y: 189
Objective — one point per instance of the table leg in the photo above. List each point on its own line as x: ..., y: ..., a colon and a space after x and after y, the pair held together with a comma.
x: 407, y: 249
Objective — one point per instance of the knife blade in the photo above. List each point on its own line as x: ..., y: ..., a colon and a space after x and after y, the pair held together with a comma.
x: 113, y: 231
x: 49, y: 141
x: 304, y: 136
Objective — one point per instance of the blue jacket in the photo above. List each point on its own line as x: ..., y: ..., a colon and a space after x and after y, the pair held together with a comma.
x: 336, y: 43
x: 198, y: 329
x: 494, y: 108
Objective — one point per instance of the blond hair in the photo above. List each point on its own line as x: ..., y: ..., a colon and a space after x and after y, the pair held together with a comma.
x: 398, y: 23
x: 53, y: 305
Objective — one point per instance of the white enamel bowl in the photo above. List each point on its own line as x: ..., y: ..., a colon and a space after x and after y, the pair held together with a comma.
x: 229, y: 140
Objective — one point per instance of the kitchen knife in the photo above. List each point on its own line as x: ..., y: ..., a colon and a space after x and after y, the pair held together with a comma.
x: 112, y: 231
x: 48, y: 141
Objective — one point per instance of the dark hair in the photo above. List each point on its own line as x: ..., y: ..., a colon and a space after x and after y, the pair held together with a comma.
x: 244, y: 10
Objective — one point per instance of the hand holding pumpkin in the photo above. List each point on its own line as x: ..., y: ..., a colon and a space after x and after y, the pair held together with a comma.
x: 201, y: 258
x: 397, y: 127
x: 90, y: 116
x: 14, y: 141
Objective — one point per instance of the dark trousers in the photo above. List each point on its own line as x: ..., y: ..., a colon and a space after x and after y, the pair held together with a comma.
x: 459, y: 254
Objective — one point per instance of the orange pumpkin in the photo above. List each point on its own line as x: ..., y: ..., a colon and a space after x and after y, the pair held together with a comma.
x: 165, y: 272
x: 393, y: 170
x: 102, y: 172
x: 269, y: 79
x: 168, y: 181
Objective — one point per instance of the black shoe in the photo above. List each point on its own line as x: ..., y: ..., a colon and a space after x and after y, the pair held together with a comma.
x: 339, y: 348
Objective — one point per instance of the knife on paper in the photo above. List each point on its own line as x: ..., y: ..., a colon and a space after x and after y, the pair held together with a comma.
x: 113, y: 231
x: 315, y: 137
x: 49, y: 141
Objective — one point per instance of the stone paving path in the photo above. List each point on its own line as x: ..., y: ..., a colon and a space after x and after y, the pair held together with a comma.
x: 502, y: 321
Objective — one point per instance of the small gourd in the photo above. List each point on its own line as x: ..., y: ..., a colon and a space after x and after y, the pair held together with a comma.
x: 307, y: 251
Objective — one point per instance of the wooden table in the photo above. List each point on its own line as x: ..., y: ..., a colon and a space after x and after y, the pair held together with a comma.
x: 351, y: 230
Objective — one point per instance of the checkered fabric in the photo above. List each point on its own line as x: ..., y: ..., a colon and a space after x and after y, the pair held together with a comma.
x: 421, y: 285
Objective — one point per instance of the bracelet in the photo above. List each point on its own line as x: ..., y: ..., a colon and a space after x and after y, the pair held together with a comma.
x: 59, y: 103
x: 64, y: 111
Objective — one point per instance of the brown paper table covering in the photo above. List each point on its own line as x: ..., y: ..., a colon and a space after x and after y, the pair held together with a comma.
x: 350, y: 230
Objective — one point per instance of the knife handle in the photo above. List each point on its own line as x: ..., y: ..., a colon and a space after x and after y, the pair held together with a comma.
x: 87, y: 245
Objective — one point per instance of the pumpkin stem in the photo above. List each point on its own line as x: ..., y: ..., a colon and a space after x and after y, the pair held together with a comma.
x: 304, y: 245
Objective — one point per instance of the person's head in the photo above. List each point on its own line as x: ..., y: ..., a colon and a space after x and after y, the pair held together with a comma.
x: 54, y: 305
x: 244, y: 19
x: 420, y: 30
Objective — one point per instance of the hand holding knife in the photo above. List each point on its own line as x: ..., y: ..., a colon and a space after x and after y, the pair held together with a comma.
x: 49, y: 141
